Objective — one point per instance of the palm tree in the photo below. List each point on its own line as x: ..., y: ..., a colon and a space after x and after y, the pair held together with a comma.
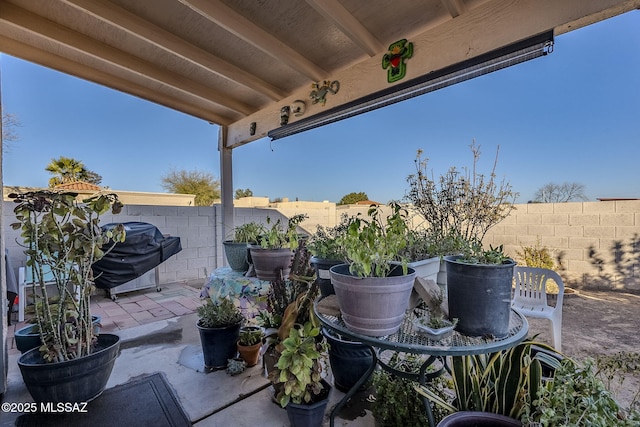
x: 67, y: 169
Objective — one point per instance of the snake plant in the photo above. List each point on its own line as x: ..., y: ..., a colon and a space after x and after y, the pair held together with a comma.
x: 503, y: 383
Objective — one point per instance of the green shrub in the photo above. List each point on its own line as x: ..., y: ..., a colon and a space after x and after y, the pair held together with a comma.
x: 397, y: 403
x: 577, y: 397
x: 537, y: 256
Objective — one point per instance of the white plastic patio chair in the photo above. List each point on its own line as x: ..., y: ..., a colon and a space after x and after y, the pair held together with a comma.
x: 530, y: 298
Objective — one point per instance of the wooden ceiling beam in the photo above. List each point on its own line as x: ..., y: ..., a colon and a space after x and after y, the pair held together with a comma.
x: 144, y: 30
x: 232, y: 21
x: 451, y: 42
x: 455, y: 7
x: 38, y: 26
x: 85, y: 72
x: 333, y: 11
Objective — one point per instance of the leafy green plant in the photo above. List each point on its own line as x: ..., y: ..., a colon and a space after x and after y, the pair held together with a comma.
x: 371, y: 244
x: 248, y: 233
x: 466, y: 202
x: 475, y: 254
x: 577, y: 397
x: 276, y: 235
x: 62, y: 236
x: 505, y: 383
x: 300, y: 365
x: 219, y: 314
x: 397, y: 404
x: 326, y: 243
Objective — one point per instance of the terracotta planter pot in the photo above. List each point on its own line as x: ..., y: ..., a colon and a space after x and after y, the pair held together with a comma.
x: 250, y: 353
x: 373, y: 306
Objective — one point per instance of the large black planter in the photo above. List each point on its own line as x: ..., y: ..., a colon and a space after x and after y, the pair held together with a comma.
x: 349, y: 360
x: 78, y: 380
x: 309, y: 415
x: 480, y: 297
x: 322, y: 266
x: 26, y: 339
x: 218, y: 345
x: 478, y: 419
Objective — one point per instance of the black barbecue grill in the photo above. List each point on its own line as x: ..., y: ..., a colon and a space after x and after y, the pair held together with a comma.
x: 144, y: 248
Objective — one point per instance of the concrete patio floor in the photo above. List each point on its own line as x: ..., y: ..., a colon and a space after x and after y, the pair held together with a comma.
x: 158, y: 334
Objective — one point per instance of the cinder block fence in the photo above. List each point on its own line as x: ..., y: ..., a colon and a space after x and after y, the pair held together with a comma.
x: 597, y: 244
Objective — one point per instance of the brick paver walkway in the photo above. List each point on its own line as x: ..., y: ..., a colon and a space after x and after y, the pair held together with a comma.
x: 134, y: 308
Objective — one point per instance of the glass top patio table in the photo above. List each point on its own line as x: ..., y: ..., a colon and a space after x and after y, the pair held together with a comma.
x: 409, y: 339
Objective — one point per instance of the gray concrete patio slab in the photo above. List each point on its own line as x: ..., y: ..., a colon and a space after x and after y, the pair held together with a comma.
x: 594, y: 323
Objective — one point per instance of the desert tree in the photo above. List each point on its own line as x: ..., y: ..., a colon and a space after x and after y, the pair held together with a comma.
x: 560, y: 193
x: 463, y: 201
x: 202, y: 184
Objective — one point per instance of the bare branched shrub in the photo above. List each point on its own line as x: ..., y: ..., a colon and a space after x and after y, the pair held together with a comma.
x: 464, y: 202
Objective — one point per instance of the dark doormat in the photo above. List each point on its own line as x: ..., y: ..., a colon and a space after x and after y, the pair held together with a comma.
x: 146, y: 401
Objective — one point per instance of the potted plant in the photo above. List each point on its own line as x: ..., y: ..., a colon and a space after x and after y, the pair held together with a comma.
x: 397, y: 403
x: 459, y: 206
x: 63, y: 236
x: 237, y: 250
x: 29, y: 337
x: 436, y: 326
x: 297, y: 345
x: 219, y: 327
x: 288, y: 302
x: 326, y: 247
x: 272, y: 256
x: 373, y: 294
x: 494, y: 386
x: 479, y: 290
x: 305, y: 393
x: 250, y: 343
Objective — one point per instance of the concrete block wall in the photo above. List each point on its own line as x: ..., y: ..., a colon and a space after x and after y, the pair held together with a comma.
x: 596, y: 244
x: 195, y: 225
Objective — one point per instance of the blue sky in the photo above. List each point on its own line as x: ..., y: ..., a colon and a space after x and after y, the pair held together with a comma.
x: 572, y: 116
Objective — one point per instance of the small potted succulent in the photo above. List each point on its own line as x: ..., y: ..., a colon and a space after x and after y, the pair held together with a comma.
x: 219, y: 325
x: 436, y: 326
x: 274, y: 251
x: 250, y: 343
x: 373, y: 294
